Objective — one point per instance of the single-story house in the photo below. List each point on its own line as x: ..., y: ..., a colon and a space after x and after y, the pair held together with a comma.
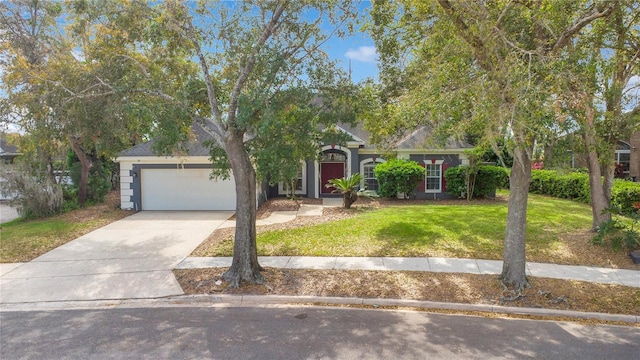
x: 151, y: 182
x: 8, y: 152
x: 570, y: 154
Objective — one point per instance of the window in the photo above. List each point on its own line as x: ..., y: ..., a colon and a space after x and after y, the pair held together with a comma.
x: 301, y: 186
x: 369, y: 175
x: 367, y: 169
x: 623, y: 157
x: 333, y: 156
x: 433, y: 177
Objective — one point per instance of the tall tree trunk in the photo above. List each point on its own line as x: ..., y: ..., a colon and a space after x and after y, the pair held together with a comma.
x: 245, y: 266
x: 609, y: 176
x: 85, y: 166
x: 514, y: 259
x: 599, y: 202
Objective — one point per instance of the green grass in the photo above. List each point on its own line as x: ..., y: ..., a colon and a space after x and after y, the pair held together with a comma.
x: 473, y: 230
x: 22, y: 240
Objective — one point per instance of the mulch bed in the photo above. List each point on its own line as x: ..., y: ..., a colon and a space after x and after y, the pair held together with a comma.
x: 441, y: 287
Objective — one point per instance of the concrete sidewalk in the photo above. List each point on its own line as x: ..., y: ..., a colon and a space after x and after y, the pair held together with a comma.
x: 432, y: 264
x: 279, y: 217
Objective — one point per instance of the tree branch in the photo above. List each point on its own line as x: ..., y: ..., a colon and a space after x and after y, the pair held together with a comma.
x: 475, y: 42
x: 246, y: 71
x: 603, y: 9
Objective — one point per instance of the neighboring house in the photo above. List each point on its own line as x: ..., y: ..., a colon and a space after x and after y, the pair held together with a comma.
x: 8, y: 152
x: 151, y: 182
x: 627, y: 156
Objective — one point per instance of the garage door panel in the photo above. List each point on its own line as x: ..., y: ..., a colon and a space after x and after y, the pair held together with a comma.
x: 185, y: 189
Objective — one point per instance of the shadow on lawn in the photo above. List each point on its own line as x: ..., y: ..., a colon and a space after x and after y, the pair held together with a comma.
x: 417, y: 240
x: 404, y: 237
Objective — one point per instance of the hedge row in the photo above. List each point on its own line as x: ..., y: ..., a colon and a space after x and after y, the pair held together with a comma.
x: 575, y: 186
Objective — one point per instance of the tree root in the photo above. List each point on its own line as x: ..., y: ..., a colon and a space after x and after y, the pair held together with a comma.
x: 514, y: 293
x: 235, y: 278
x: 519, y: 287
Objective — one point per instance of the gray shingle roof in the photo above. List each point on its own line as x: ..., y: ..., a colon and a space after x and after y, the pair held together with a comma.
x: 416, y: 139
x: 421, y: 138
x: 7, y: 149
x: 195, y: 146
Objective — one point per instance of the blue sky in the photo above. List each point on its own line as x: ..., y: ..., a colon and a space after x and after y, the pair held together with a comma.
x: 357, y: 48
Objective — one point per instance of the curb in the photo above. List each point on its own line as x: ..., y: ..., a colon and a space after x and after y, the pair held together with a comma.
x: 224, y: 300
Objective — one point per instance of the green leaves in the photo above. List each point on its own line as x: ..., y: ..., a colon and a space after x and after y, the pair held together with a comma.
x: 346, y: 184
x: 398, y: 176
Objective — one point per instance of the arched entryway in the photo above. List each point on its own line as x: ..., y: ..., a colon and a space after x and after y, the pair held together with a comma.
x: 333, y: 165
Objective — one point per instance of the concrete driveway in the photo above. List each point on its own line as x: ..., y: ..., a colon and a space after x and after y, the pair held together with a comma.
x: 7, y: 213
x: 130, y: 258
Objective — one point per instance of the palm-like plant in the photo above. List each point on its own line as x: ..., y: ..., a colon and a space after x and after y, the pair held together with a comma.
x: 348, y: 187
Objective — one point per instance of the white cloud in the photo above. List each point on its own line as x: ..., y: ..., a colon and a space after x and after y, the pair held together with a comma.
x: 364, y: 54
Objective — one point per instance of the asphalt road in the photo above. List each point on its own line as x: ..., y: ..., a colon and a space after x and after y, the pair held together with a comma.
x: 301, y: 333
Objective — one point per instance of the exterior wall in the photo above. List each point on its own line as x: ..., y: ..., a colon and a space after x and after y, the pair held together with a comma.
x: 311, y: 179
x: 449, y: 160
x: 355, y: 162
x: 272, y: 191
x: 357, y: 157
x: 130, y: 187
x: 634, y: 165
x: 126, y: 186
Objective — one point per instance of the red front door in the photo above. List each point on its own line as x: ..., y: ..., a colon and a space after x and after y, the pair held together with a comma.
x: 330, y: 171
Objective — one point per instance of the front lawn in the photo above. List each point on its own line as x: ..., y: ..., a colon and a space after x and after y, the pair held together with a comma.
x: 24, y: 240
x: 557, y: 232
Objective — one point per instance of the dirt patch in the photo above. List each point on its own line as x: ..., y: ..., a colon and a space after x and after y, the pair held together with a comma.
x: 442, y: 287
x: 110, y: 209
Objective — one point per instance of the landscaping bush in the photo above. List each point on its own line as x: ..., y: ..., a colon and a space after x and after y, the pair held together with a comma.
x: 625, y: 196
x: 456, y: 180
x: 396, y: 176
x: 30, y: 195
x: 575, y: 186
x: 620, y: 234
x: 488, y: 178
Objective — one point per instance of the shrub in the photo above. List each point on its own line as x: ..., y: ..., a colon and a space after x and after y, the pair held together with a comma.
x: 625, y: 196
x: 456, y: 180
x: 31, y: 196
x: 487, y: 180
x: 618, y: 234
x: 575, y: 186
x: 347, y: 186
x: 398, y: 175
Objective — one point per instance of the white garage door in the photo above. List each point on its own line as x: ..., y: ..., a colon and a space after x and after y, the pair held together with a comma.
x: 185, y: 189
